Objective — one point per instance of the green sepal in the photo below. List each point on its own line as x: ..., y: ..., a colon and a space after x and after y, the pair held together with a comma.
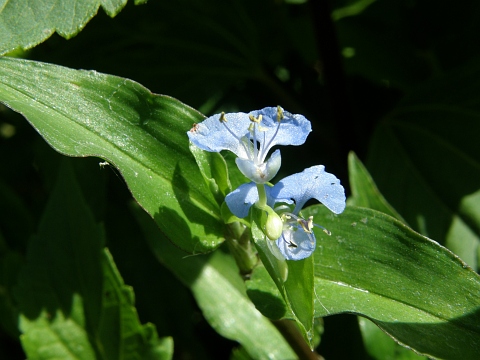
x: 213, y: 168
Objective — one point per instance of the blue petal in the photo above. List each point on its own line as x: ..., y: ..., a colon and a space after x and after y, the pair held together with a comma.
x: 293, y: 130
x: 215, y: 136
x: 313, y: 182
x: 241, y: 199
x: 212, y: 135
x: 296, y: 244
x: 260, y: 173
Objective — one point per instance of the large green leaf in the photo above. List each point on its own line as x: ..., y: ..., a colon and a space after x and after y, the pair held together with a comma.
x: 220, y: 292
x: 71, y: 299
x: 424, y: 159
x: 26, y: 23
x: 419, y: 292
x: 366, y: 194
x: 84, y: 113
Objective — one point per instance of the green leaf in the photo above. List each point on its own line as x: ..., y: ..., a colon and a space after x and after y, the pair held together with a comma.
x: 84, y: 113
x: 72, y: 301
x: 120, y: 332
x: 414, y: 289
x: 221, y: 295
x: 364, y: 191
x: 214, y: 170
x: 294, y: 279
x: 366, y: 194
x: 380, y: 346
x: 11, y: 263
x: 424, y: 159
x: 26, y: 23
x: 352, y: 9
x: 263, y: 292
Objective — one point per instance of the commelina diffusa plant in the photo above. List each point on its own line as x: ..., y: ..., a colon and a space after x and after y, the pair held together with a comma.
x: 270, y: 257
x: 250, y: 137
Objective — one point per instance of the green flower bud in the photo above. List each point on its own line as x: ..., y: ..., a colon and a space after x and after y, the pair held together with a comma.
x: 273, y: 226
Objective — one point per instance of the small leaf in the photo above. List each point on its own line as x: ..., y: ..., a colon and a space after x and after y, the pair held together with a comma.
x: 380, y: 346
x: 420, y: 293
x: 214, y: 170
x: 84, y: 113
x: 364, y: 191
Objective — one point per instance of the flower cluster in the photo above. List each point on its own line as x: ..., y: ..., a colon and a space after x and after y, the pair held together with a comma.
x: 250, y: 137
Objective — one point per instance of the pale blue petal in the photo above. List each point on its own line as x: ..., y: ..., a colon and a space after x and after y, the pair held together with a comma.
x: 313, y: 182
x: 293, y: 130
x: 296, y: 244
x: 212, y: 135
x: 241, y: 199
x: 260, y: 173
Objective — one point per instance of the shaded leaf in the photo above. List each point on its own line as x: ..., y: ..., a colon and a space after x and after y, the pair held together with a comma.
x: 72, y: 301
x: 84, y: 113
x: 263, y: 292
x: 424, y: 159
x: 380, y: 346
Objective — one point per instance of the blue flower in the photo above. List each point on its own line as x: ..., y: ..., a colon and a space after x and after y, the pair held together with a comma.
x: 297, y: 240
x: 250, y: 137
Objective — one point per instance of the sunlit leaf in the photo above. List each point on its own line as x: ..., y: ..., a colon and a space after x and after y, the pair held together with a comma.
x: 84, y: 113
x: 416, y: 290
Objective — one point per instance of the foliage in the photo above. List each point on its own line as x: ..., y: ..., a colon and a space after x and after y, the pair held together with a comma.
x: 132, y: 253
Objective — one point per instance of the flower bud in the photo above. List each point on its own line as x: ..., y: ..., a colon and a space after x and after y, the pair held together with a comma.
x: 273, y: 226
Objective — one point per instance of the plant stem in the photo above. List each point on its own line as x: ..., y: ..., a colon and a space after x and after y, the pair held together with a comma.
x: 290, y: 332
x: 262, y: 196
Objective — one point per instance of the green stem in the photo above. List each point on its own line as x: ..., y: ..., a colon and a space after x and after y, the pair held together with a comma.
x: 262, y: 196
x: 293, y: 336
x: 241, y: 248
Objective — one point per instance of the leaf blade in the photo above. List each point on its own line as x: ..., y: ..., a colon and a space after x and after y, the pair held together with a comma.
x: 416, y: 290
x: 84, y: 113
x: 24, y: 24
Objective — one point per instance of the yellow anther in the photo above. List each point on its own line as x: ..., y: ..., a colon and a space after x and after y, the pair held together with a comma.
x: 222, y: 117
x: 307, y: 225
x: 280, y: 115
x: 256, y: 120
x: 310, y: 224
